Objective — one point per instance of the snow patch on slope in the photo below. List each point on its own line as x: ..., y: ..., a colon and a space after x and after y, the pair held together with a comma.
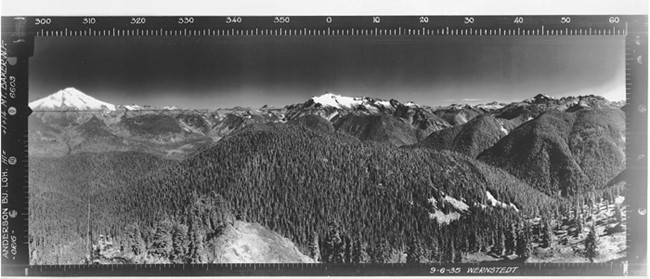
x: 442, y: 218
x: 453, y: 214
x: 332, y: 115
x: 385, y: 104
x: 457, y: 204
x: 496, y: 203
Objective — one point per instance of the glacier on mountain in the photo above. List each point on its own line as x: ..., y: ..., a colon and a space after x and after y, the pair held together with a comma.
x: 338, y: 101
x: 70, y: 98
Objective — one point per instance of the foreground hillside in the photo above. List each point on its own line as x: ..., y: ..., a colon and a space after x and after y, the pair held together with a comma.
x: 251, y: 243
x: 566, y: 239
x: 61, y: 190
x: 310, y: 187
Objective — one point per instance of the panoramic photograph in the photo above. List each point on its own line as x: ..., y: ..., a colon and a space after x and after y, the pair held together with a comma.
x: 327, y: 149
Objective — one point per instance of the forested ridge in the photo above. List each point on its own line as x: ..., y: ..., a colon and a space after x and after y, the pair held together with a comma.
x: 564, y: 153
x: 311, y: 187
x: 471, y: 138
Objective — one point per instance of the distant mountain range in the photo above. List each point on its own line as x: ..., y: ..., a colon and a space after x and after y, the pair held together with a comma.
x: 507, y: 135
x: 71, y: 99
x: 338, y: 172
x: 390, y: 121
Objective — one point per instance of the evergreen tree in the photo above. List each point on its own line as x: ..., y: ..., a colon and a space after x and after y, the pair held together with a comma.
x: 385, y: 251
x: 558, y: 219
x: 547, y: 235
x: 333, y: 248
x: 314, y: 249
x: 433, y: 254
x: 578, y: 229
x: 358, y: 253
x: 134, y: 241
x: 499, y: 244
x: 414, y: 251
x: 180, y: 244
x: 458, y: 257
x: 523, y: 248
x: 591, y: 244
x: 381, y: 252
x: 348, y: 249
x: 197, y: 246
x: 483, y: 244
x: 473, y: 242
x: 161, y: 244
x: 510, y: 240
x: 449, y: 253
x: 578, y: 209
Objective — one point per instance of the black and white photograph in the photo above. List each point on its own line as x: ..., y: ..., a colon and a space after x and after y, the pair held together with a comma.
x: 333, y: 150
x: 382, y: 140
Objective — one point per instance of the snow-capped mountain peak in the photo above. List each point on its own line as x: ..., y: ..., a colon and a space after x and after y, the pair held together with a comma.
x: 346, y: 103
x: 338, y: 101
x: 70, y: 99
x: 540, y: 98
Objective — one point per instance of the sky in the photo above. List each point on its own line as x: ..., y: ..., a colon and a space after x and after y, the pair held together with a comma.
x: 223, y: 72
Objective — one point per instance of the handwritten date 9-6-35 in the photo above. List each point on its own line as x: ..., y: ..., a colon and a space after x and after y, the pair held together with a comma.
x: 474, y: 270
